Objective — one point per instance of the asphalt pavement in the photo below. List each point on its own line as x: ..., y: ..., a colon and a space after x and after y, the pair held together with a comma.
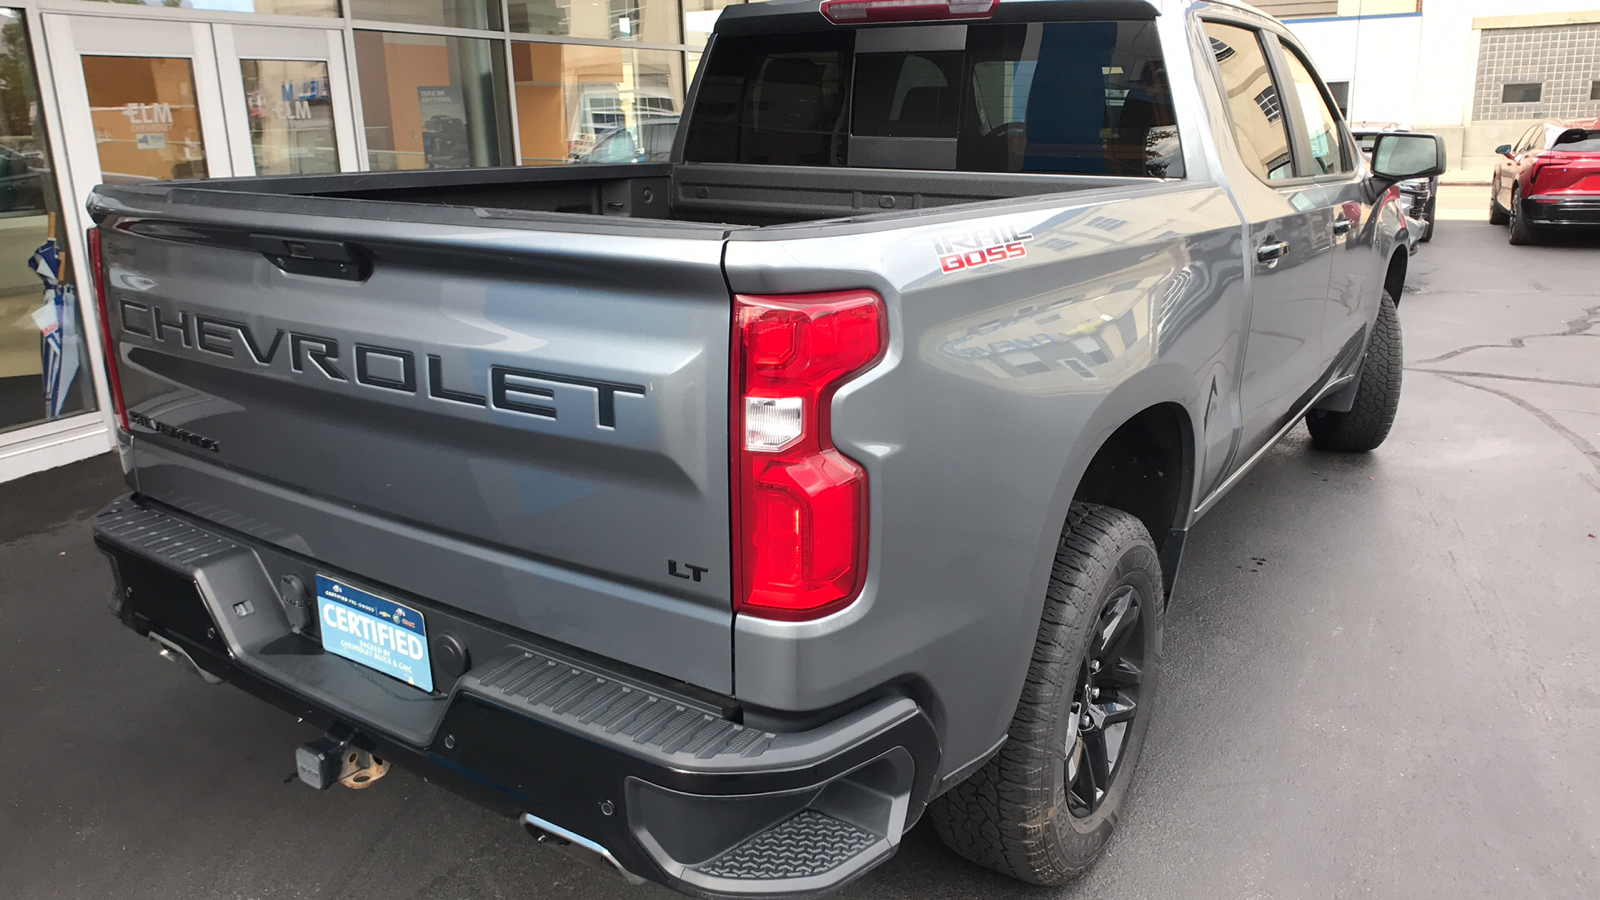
x: 1382, y: 676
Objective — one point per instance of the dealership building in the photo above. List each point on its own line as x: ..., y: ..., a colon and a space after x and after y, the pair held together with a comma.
x: 95, y: 92
x: 98, y: 91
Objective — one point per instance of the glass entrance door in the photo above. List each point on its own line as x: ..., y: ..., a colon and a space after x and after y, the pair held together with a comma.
x: 193, y: 100
x: 286, y: 99
x: 140, y: 100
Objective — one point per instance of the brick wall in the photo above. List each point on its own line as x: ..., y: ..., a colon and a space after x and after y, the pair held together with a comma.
x: 1562, y: 59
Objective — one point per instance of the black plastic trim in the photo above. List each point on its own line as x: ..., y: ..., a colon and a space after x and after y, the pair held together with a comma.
x: 519, y: 744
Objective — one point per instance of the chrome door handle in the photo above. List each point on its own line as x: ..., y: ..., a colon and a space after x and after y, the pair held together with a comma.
x: 1342, y: 225
x: 1272, y: 251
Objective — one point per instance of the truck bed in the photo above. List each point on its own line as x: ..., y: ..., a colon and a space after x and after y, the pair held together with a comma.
x: 731, y: 195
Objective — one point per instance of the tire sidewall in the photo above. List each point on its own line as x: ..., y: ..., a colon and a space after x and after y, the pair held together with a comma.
x: 1081, y: 840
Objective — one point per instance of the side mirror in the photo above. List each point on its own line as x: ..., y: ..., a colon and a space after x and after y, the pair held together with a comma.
x: 1503, y: 149
x: 1397, y: 157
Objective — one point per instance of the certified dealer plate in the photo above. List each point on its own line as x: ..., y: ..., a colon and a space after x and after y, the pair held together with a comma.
x: 374, y: 631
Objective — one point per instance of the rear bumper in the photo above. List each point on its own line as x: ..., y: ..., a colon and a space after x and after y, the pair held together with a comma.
x: 666, y: 785
x: 1557, y: 210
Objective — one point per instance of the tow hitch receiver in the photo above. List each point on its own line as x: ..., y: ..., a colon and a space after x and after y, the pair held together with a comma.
x: 333, y: 758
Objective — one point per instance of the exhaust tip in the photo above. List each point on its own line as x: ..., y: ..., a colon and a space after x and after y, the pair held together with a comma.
x: 173, y: 653
x: 576, y: 846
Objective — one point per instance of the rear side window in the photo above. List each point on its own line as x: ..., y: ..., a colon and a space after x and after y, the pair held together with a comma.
x: 1087, y: 98
x: 1253, y: 101
x: 775, y: 99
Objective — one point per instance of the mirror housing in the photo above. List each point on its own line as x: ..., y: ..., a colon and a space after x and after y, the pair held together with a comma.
x: 1503, y: 149
x: 1398, y: 156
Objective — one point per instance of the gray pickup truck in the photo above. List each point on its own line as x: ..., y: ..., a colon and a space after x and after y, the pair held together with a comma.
x: 717, y: 518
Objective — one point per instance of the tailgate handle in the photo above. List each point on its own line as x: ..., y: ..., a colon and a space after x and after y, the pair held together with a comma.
x: 309, y: 256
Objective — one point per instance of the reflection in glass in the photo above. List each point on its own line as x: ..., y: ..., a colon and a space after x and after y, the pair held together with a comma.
x: 291, y: 116
x: 596, y: 104
x: 432, y: 102
x: 1258, y: 124
x: 699, y: 17
x: 266, y: 7
x: 44, y: 368
x: 146, y: 125
x: 483, y: 14
x: 618, y: 20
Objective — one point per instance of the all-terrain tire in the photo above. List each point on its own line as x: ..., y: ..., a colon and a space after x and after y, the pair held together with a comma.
x: 1377, y: 392
x: 1013, y: 815
x: 1520, y: 231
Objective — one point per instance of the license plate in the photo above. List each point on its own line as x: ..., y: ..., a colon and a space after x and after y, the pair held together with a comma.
x: 374, y: 631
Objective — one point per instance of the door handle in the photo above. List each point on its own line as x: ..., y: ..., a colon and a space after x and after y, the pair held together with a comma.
x: 1342, y: 225
x: 1272, y: 251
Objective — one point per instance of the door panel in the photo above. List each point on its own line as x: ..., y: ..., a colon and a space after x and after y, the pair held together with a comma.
x: 1289, y: 242
x: 1340, y: 207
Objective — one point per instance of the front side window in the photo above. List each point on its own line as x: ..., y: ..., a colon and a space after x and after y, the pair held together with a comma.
x: 1319, y: 122
x: 1087, y: 98
x: 1253, y: 102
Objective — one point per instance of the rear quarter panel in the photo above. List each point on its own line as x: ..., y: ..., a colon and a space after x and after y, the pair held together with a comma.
x: 1000, y: 382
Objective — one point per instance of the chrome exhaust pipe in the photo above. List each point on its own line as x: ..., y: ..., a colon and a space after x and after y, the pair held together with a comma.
x: 576, y: 846
x: 172, y: 653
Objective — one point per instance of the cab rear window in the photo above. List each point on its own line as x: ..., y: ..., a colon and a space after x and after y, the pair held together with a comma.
x: 1087, y: 98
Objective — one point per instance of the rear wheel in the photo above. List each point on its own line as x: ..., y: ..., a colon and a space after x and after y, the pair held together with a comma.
x: 1519, y: 230
x: 1497, y: 213
x: 1043, y: 808
x: 1368, y: 422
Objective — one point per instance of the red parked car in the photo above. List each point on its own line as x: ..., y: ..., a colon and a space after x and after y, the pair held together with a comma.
x: 1549, y: 177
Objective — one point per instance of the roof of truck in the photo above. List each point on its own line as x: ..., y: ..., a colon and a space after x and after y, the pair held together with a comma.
x: 738, y: 14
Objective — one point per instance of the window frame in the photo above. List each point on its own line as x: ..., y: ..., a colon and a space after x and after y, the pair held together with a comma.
x: 1301, y: 134
x: 1261, y: 33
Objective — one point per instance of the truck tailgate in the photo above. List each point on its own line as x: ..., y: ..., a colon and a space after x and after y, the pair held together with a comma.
x: 490, y: 413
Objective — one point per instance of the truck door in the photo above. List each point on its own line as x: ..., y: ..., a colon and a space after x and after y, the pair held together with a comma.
x: 1342, y: 206
x: 1289, y: 241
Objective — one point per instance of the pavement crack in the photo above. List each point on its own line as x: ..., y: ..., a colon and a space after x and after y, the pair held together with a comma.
x: 1557, y: 381
x: 1576, y: 440
x: 1575, y: 327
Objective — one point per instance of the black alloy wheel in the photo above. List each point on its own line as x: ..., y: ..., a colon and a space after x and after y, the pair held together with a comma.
x: 1105, y: 703
x: 1044, y: 806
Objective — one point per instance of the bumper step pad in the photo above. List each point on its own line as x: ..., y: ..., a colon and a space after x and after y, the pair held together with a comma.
x: 810, y: 844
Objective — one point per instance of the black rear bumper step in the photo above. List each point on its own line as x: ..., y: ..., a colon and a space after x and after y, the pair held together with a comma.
x: 662, y: 785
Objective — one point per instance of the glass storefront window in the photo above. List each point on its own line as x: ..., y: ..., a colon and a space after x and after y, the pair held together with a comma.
x: 432, y: 102
x: 265, y: 7
x: 578, y: 103
x: 291, y: 116
x: 484, y: 14
x: 654, y: 21
x: 146, y: 125
x: 699, y: 17
x: 44, y: 367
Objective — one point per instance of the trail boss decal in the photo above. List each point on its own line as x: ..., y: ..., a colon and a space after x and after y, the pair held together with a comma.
x: 971, y: 249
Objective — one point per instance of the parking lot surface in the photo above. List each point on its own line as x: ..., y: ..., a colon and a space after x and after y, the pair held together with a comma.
x: 1382, y: 674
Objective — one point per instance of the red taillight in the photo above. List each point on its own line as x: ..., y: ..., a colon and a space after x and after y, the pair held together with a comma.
x: 799, y: 505
x: 850, y: 12
x: 98, y: 267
